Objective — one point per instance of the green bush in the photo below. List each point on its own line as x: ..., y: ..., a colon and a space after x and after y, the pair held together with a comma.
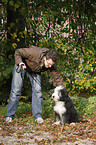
x: 91, y: 105
x: 77, y: 68
x: 48, y: 108
x: 23, y: 108
x: 82, y: 106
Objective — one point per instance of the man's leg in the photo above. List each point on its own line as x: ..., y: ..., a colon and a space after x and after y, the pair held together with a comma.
x: 37, y: 97
x: 16, y: 87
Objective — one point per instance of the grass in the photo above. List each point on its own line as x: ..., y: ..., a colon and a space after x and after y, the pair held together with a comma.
x: 84, y: 105
x: 24, y: 110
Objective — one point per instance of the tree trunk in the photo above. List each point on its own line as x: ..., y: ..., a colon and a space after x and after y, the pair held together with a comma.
x: 16, y: 22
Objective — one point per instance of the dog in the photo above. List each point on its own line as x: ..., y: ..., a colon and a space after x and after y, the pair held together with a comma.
x: 64, y: 108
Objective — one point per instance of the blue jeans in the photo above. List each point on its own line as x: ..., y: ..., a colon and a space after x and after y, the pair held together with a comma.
x: 16, y: 88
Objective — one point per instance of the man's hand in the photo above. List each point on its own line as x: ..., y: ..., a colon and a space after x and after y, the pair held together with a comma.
x: 22, y: 66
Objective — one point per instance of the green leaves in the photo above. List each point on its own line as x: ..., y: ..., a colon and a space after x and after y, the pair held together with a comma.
x: 11, y: 2
x: 16, y: 5
x: 67, y: 26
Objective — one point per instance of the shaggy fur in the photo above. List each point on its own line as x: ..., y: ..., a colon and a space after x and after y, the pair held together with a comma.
x: 64, y: 107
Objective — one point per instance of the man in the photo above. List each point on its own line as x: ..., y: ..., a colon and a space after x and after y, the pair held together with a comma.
x: 33, y: 60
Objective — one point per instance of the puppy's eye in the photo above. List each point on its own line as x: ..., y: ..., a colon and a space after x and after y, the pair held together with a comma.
x: 53, y: 96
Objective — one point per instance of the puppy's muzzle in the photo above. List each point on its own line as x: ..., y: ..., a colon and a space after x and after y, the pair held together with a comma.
x: 54, y: 98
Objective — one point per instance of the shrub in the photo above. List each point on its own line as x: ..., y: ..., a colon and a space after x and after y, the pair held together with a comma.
x: 84, y: 105
x: 76, y: 63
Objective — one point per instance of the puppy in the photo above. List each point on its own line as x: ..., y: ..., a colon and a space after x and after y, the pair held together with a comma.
x: 64, y: 107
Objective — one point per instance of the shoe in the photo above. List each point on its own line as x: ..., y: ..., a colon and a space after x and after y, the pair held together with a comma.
x: 8, y: 119
x: 39, y: 120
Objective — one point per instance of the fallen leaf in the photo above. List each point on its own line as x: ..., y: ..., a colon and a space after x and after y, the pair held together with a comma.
x: 20, y: 136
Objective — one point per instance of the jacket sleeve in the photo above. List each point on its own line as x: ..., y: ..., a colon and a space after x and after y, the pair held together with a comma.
x: 57, y: 76
x: 19, y: 54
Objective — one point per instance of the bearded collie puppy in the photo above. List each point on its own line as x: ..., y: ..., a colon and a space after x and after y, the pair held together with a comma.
x: 64, y: 107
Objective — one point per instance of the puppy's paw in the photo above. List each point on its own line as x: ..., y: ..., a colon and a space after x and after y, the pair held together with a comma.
x: 57, y: 122
x: 72, y: 123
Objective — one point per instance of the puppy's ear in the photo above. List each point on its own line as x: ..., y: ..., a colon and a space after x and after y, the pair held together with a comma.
x: 64, y: 92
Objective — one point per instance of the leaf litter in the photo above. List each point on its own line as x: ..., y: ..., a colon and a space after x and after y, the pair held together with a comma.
x: 26, y: 132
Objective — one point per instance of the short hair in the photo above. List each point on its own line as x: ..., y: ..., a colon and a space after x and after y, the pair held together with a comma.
x: 53, y: 54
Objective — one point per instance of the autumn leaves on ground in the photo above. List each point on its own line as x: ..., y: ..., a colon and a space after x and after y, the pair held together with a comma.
x: 24, y: 130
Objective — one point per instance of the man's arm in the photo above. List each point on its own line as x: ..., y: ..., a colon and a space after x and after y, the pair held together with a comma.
x: 57, y: 76
x: 19, y: 54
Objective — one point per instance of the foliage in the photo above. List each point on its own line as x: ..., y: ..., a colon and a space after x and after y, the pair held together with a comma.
x: 78, y: 70
x: 84, y: 105
x: 67, y: 26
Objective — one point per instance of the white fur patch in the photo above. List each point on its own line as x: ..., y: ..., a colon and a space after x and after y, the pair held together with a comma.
x: 58, y: 88
x: 60, y: 108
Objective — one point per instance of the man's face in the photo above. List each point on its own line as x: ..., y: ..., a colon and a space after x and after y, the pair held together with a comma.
x: 48, y: 63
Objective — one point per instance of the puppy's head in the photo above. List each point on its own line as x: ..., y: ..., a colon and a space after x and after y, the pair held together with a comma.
x: 59, y: 93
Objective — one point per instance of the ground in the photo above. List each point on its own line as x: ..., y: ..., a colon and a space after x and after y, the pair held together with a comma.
x: 25, y: 131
